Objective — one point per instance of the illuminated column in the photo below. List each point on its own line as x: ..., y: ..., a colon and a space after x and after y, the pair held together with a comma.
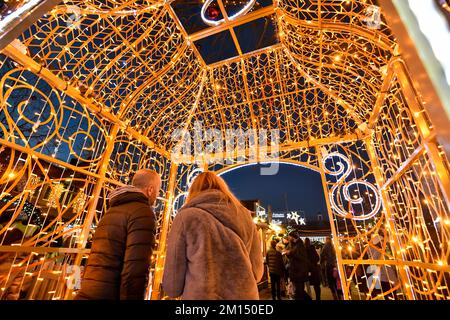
x: 392, y: 232
x: 426, y: 61
x: 159, y: 266
x: 427, y: 131
x: 103, y: 166
x: 343, y: 276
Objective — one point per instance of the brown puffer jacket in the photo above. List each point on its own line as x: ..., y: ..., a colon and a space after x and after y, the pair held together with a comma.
x: 120, y: 256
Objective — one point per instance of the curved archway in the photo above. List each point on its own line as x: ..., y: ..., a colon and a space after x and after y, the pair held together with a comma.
x: 285, y: 161
x: 294, y: 186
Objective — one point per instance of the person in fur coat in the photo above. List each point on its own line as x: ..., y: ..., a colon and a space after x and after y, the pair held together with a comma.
x: 214, y: 249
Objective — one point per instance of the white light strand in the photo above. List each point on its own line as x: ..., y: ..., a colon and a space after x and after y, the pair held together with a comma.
x: 179, y: 200
x: 214, y: 23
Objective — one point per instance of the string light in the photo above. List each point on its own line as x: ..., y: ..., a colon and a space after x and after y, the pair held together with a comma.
x: 55, y: 195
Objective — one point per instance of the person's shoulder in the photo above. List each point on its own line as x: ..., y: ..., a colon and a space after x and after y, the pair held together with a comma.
x: 193, y: 217
x: 187, y: 213
x: 141, y: 209
x: 132, y: 209
x: 188, y: 217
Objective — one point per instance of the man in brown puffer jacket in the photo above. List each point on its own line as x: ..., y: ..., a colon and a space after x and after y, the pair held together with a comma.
x: 120, y: 256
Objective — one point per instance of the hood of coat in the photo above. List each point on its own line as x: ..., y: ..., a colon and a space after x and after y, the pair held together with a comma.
x: 216, y: 204
x: 126, y: 194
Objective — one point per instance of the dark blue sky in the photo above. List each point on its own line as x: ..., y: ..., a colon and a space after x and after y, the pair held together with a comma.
x: 302, y: 186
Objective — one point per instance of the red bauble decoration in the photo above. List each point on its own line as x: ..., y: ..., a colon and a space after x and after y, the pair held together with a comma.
x: 212, y: 12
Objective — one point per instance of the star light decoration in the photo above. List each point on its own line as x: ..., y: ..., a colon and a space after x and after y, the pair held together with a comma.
x: 293, y: 215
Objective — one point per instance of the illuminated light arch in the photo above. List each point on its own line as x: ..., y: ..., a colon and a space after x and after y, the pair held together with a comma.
x: 233, y: 167
x: 133, y: 91
x: 247, y: 7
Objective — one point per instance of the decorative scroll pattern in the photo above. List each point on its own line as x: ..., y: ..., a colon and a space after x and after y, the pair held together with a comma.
x: 129, y: 156
x: 342, y: 189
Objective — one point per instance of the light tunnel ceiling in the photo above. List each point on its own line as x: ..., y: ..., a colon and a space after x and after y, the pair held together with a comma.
x: 246, y: 33
x: 316, y: 71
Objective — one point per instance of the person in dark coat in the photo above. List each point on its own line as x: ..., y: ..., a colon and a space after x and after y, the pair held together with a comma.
x: 298, y: 266
x: 274, y: 261
x: 314, y: 268
x: 328, y: 258
x: 118, y: 265
x: 286, y: 245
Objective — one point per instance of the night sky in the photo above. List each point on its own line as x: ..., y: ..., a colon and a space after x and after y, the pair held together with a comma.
x: 302, y: 186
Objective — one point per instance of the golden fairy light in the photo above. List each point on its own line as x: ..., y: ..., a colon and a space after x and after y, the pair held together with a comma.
x: 79, y: 203
x: 55, y: 195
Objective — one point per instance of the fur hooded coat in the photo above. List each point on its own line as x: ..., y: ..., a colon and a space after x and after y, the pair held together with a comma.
x: 213, y: 252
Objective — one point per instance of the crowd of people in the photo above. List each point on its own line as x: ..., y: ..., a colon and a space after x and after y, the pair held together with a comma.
x: 294, y: 264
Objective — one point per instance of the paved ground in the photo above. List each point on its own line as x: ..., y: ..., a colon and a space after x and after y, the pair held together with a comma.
x: 325, y: 294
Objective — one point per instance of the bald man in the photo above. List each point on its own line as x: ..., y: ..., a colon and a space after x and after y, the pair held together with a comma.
x: 118, y: 265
